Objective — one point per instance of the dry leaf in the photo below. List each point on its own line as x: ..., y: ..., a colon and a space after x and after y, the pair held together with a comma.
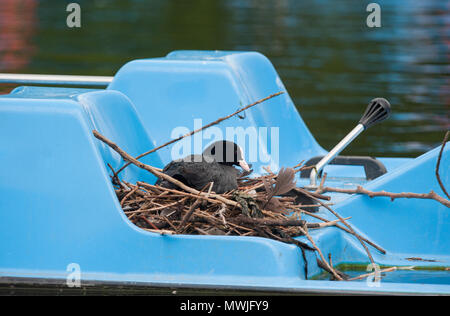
x: 285, y: 181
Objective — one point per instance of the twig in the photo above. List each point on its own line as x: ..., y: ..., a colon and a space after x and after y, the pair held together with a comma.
x: 346, y: 230
x: 156, y: 208
x: 160, y: 231
x: 201, y: 231
x: 322, y: 182
x: 325, y: 224
x: 114, y: 177
x: 343, y: 221
x: 128, y: 195
x: 221, y: 211
x: 360, y: 190
x: 191, y: 209
x: 177, y: 192
x: 269, y: 222
x: 439, y: 162
x: 298, y: 165
x: 314, y: 194
x: 305, y: 168
x: 330, y: 268
x: 148, y: 222
x: 169, y: 222
x: 363, y: 276
x: 201, y: 128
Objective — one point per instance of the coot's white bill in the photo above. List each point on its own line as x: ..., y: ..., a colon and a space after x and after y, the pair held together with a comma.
x: 243, y: 164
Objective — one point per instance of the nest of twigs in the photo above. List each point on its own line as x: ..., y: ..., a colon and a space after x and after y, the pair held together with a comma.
x: 265, y: 206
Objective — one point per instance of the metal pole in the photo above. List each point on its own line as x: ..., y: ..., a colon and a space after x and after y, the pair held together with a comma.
x: 333, y: 153
x: 67, y: 80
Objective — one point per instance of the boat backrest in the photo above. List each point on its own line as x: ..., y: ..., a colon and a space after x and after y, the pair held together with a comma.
x: 114, y: 116
x: 109, y: 112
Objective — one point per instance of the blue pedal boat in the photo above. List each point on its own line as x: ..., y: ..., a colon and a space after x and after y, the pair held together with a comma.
x: 60, y: 217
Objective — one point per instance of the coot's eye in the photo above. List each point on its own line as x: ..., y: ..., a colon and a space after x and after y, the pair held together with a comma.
x: 213, y: 150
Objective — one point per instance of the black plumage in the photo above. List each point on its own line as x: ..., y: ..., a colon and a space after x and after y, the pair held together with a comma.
x: 214, y: 165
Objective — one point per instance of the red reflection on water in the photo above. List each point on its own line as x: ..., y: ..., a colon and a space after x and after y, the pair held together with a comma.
x: 17, y: 27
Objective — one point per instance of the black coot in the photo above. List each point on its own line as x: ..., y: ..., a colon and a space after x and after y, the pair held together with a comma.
x: 214, y: 165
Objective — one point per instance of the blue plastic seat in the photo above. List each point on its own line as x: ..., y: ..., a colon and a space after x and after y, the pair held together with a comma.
x: 114, y: 116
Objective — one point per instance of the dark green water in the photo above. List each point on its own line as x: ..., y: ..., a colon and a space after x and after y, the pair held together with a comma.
x: 422, y: 275
x: 331, y: 63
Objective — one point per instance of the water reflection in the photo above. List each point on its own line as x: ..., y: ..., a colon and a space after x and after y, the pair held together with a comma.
x: 17, y: 28
x: 330, y: 62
